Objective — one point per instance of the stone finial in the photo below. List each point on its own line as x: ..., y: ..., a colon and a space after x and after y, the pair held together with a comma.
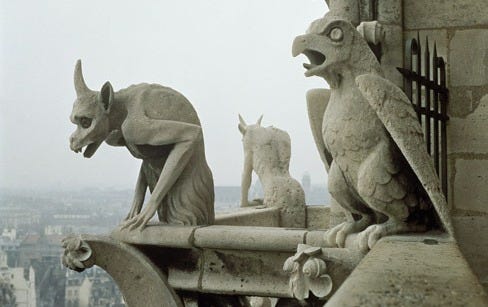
x: 308, y: 273
x: 77, y: 253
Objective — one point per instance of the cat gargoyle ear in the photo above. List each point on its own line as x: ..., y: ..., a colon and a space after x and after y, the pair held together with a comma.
x: 106, y: 95
x: 259, y: 120
x: 242, y: 125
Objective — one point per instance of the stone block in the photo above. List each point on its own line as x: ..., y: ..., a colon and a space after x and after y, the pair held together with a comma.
x: 184, y: 267
x: 268, y: 217
x: 469, y: 57
x: 158, y: 234
x: 472, y: 239
x: 470, y: 184
x: 245, y: 272
x: 392, y: 50
x: 390, y: 12
x: 318, y: 217
x: 316, y: 238
x: 249, y: 238
x: 463, y: 100
x: 469, y: 134
x: 415, y: 271
x: 427, y: 14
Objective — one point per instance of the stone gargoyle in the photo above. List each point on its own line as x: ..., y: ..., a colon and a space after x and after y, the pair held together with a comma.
x: 160, y: 126
x: 267, y: 151
x: 370, y: 139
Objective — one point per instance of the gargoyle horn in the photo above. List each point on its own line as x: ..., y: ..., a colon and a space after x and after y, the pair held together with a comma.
x: 80, y: 85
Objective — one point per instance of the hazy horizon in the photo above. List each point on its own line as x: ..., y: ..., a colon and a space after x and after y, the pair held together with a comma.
x: 226, y: 57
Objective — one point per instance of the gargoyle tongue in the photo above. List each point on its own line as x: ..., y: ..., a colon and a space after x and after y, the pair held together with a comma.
x: 90, y: 149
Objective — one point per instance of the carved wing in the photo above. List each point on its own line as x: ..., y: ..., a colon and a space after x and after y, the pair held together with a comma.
x: 317, y: 101
x: 397, y: 114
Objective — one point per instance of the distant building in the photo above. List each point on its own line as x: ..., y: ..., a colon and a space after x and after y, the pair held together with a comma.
x: 91, y: 288
x: 23, y: 288
x: 11, y: 248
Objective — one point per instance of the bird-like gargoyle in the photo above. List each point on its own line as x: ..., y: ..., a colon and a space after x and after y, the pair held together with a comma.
x: 369, y: 138
x: 160, y: 126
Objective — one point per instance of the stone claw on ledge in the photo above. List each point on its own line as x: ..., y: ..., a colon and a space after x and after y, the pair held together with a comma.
x: 308, y: 273
x: 77, y: 253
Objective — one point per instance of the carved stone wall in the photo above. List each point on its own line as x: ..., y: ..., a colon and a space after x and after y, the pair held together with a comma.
x: 460, y: 29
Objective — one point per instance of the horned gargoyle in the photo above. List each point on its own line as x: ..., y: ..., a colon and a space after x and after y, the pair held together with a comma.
x: 370, y: 139
x: 160, y: 126
x: 267, y: 151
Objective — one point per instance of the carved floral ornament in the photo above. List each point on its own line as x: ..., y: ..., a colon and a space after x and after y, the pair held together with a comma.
x: 77, y: 253
x: 308, y: 273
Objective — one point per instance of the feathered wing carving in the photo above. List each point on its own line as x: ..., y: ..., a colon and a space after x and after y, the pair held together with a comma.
x: 317, y: 101
x: 397, y: 114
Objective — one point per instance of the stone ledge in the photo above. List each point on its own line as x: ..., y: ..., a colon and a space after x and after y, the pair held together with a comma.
x: 411, y: 271
x: 269, y: 217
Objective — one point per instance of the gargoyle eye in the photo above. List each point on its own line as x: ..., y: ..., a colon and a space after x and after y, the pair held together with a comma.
x: 85, y: 122
x: 336, y: 34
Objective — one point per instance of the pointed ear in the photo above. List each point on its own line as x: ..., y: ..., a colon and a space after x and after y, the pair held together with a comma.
x: 242, y: 125
x: 259, y: 120
x: 106, y: 95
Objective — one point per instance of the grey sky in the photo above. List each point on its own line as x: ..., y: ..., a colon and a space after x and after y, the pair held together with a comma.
x: 226, y: 56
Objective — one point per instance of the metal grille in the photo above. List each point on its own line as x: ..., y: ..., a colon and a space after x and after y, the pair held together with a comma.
x: 425, y: 85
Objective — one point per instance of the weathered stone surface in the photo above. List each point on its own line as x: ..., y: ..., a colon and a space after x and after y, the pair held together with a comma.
x: 249, y: 238
x: 392, y: 53
x: 158, y: 234
x: 318, y: 217
x: 469, y: 134
x: 426, y: 14
x: 470, y: 183
x: 159, y: 126
x: 184, y: 267
x: 470, y: 67
x: 390, y: 12
x: 266, y: 217
x: 138, y: 278
x: 463, y: 100
x: 415, y: 271
x: 369, y: 129
x: 472, y: 239
x: 267, y: 152
x: 245, y: 272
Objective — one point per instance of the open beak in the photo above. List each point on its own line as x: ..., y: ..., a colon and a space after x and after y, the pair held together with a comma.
x: 304, y: 44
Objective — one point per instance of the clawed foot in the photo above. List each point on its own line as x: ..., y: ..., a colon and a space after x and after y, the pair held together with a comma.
x: 368, y: 238
x: 337, y: 235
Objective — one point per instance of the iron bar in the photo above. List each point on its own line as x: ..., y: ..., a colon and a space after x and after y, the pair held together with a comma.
x: 429, y: 102
x: 444, y: 99
x: 435, y: 76
x: 419, y: 73
x: 428, y: 136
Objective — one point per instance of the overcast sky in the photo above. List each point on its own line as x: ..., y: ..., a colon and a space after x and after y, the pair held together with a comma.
x: 226, y: 56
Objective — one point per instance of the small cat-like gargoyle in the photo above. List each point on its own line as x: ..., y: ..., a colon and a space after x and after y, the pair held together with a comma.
x: 160, y: 126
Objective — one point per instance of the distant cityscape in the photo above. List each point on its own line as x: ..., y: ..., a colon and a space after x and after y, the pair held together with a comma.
x: 32, y: 224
